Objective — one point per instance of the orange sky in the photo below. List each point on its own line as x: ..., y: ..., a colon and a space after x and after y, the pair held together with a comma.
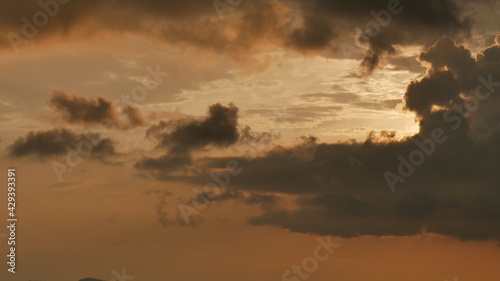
x: 255, y: 107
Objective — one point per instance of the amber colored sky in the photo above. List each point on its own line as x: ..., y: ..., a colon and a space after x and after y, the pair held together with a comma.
x: 241, y: 132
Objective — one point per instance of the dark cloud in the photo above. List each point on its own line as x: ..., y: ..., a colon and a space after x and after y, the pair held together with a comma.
x: 300, y: 169
x: 452, y: 78
x: 57, y: 142
x: 302, y: 25
x: 219, y: 128
x: 427, y: 20
x: 342, y: 188
x: 447, y: 55
x: 438, y: 88
x: 180, y: 138
x: 249, y: 137
x: 347, y: 216
x: 99, y: 112
x: 315, y: 34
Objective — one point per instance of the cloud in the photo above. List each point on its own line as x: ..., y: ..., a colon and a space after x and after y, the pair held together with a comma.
x: 57, y: 142
x: 344, y: 97
x: 348, y: 216
x: 453, y: 77
x: 338, y: 20
x: 408, y: 63
x: 219, y: 128
x: 103, y: 112
x: 305, y: 26
x: 180, y: 138
x: 341, y: 189
x: 347, y: 98
x: 249, y: 199
x: 311, y: 114
x: 162, y: 215
x: 447, y: 54
x: 379, y: 105
x: 438, y: 88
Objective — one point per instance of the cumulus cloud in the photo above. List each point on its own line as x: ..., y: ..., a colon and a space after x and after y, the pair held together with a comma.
x: 101, y: 111
x: 219, y: 128
x: 453, y: 77
x: 439, y: 88
x: 342, y: 189
x: 180, y: 138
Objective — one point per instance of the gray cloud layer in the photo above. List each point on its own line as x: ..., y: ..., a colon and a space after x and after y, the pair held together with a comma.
x: 305, y: 26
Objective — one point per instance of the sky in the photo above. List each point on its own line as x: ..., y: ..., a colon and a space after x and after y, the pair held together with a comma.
x: 250, y: 140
